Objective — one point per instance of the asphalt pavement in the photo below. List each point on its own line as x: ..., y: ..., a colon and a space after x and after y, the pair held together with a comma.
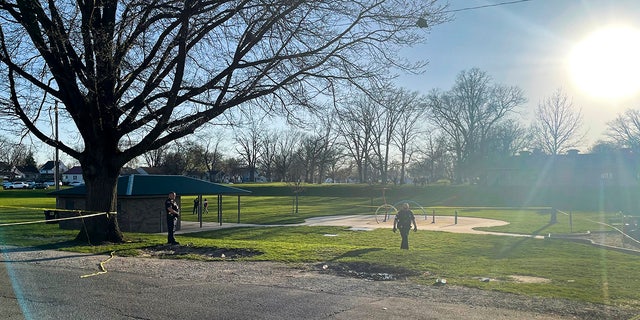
x: 58, y: 285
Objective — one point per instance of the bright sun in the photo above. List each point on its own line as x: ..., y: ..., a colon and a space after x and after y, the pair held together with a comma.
x: 606, y: 64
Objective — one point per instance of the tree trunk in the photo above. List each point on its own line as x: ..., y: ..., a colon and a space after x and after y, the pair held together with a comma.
x: 402, y: 167
x: 252, y: 173
x: 101, y: 183
x: 360, y: 168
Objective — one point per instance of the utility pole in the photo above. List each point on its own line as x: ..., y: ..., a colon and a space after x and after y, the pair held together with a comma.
x: 56, y: 175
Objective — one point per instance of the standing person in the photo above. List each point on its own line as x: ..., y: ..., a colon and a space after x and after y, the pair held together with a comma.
x: 206, y: 206
x: 403, y: 221
x: 195, y: 205
x: 173, y: 213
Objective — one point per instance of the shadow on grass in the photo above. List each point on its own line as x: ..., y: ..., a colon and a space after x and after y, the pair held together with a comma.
x: 355, y: 253
x: 537, y: 232
x: 507, y: 250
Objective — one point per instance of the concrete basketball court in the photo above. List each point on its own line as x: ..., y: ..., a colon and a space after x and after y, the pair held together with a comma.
x: 439, y: 223
x: 369, y: 222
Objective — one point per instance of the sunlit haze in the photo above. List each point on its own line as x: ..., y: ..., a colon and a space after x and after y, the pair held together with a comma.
x: 606, y: 63
x: 589, y: 48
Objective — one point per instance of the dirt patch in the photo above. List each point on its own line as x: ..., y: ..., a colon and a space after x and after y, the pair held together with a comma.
x: 528, y: 279
x: 208, y: 253
x: 368, y: 271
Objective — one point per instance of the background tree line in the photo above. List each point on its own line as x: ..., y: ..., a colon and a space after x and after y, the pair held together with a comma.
x: 393, y: 136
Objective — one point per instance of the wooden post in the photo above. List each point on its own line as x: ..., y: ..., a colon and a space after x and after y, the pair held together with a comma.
x: 220, y: 209
x: 199, y: 210
x: 570, y: 222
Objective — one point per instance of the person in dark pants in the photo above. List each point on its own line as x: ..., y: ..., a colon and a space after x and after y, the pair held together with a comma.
x: 173, y: 213
x: 403, y: 221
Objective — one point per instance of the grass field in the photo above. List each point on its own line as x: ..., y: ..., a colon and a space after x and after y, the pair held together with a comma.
x: 561, y: 269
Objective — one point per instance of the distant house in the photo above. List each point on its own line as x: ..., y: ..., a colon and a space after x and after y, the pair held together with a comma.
x: 73, y: 175
x: 572, y: 169
x: 10, y: 172
x: 29, y: 172
x: 140, y: 205
x: 48, y: 170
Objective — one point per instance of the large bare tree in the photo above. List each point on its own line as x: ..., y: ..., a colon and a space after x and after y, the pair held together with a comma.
x: 468, y: 113
x: 318, y: 150
x: 12, y: 153
x: 434, y: 159
x: 248, y: 141
x: 557, y: 124
x: 355, y: 124
x: 268, y: 150
x: 287, y: 142
x: 389, y: 107
x: 411, y: 109
x: 624, y: 130
x: 507, y: 139
x: 212, y: 153
x: 152, y: 72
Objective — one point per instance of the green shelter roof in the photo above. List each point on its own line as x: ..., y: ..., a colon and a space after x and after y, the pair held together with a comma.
x: 141, y: 185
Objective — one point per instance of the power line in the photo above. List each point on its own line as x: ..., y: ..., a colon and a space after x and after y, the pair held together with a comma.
x: 422, y: 23
x: 486, y: 6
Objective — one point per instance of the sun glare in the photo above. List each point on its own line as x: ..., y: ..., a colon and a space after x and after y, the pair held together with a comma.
x: 606, y: 64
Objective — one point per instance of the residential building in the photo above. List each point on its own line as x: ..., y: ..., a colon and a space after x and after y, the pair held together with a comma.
x: 10, y: 172
x: 29, y: 172
x: 73, y: 175
x: 48, y: 170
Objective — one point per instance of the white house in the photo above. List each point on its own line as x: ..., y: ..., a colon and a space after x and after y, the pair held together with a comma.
x: 49, y: 168
x: 72, y: 175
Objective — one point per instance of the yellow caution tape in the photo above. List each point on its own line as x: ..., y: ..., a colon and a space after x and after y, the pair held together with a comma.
x: 54, y: 209
x: 103, y: 270
x: 53, y: 220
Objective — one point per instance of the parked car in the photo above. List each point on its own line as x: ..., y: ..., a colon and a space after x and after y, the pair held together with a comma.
x: 76, y: 183
x: 6, y: 184
x: 41, y: 185
x: 19, y: 185
x: 51, y: 183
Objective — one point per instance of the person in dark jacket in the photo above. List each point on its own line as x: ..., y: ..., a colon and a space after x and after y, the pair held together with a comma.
x: 195, y: 206
x: 173, y: 212
x: 403, y: 222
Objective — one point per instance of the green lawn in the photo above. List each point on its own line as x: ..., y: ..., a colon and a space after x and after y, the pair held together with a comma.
x: 572, y: 270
